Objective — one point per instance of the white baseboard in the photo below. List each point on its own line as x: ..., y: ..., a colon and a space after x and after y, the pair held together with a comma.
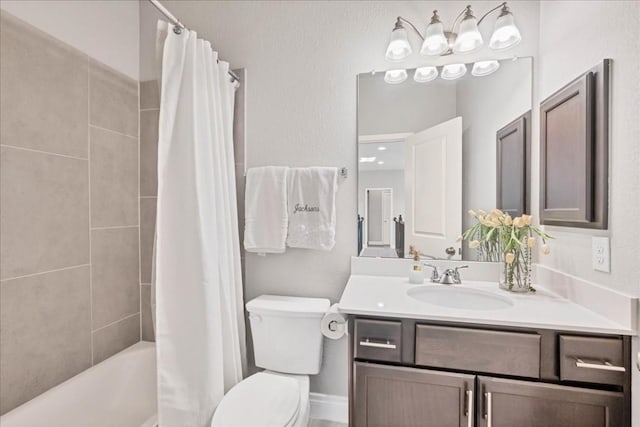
x: 329, y: 407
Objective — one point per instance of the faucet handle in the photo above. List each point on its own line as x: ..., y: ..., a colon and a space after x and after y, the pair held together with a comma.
x: 435, y: 275
x: 456, y: 274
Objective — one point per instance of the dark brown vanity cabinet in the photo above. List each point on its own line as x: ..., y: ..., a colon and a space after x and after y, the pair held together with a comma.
x: 508, y: 403
x: 407, y: 373
x: 403, y: 396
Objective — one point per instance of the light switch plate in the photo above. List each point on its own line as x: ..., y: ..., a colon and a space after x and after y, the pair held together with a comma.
x: 601, y: 254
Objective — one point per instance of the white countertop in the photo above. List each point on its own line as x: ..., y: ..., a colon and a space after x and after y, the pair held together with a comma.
x: 386, y: 296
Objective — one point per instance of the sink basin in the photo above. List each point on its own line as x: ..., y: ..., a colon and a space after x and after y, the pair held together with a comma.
x: 459, y: 298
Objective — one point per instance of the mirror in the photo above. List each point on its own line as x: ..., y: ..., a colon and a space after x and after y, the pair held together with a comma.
x: 430, y: 152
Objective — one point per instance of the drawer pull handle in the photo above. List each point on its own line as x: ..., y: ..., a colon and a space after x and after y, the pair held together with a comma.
x: 604, y: 366
x: 388, y: 345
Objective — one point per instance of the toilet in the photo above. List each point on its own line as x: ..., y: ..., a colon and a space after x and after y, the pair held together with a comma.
x: 287, y: 343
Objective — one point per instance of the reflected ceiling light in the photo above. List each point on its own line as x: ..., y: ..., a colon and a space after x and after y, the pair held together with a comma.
x: 382, y: 148
x: 484, y: 68
x: 469, y: 38
x: 399, y: 48
x: 367, y: 159
x: 425, y: 74
x: 453, y: 71
x: 395, y: 76
x: 381, y: 162
x: 505, y: 32
x: 435, y: 41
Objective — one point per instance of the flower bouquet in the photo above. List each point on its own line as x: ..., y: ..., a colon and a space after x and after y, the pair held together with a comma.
x: 499, y: 237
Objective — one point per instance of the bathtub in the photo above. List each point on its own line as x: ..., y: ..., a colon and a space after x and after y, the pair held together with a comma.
x: 118, y: 392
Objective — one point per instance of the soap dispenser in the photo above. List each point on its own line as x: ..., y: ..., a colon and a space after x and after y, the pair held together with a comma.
x: 416, y: 275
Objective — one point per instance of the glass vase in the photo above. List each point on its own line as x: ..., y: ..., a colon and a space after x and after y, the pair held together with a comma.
x: 516, y: 276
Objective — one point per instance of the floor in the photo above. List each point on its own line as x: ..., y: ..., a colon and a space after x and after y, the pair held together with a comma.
x: 379, y: 251
x: 325, y: 423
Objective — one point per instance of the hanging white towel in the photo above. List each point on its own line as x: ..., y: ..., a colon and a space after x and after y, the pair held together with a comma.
x: 312, y: 208
x: 266, y: 219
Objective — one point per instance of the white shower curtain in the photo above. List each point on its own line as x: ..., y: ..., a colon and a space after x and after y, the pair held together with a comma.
x: 200, y: 334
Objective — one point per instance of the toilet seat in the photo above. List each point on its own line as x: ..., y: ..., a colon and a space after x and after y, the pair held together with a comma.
x: 264, y: 399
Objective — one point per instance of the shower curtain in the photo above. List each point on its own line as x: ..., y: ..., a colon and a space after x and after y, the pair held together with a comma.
x: 200, y: 334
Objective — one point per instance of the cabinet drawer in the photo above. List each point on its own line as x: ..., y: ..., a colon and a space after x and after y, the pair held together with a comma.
x: 592, y: 359
x: 508, y: 353
x: 378, y: 340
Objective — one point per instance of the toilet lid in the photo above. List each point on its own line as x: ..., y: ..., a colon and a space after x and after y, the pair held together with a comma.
x: 263, y: 399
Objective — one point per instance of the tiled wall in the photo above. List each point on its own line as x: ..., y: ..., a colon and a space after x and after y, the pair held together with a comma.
x: 149, y: 112
x: 69, y: 257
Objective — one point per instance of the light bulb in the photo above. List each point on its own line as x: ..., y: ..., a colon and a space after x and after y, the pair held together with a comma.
x: 399, y: 48
x: 382, y: 148
x: 484, y: 68
x: 469, y: 38
x: 425, y: 74
x: 505, y: 32
x: 395, y: 76
x: 453, y: 71
x: 435, y: 42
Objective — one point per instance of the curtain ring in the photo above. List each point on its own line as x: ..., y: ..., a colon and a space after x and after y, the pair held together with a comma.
x: 177, y: 30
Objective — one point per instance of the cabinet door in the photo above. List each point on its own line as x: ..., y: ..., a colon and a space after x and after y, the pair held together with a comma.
x: 508, y: 403
x: 394, y: 396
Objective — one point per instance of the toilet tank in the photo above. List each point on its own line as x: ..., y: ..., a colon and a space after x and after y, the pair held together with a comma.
x: 286, y: 333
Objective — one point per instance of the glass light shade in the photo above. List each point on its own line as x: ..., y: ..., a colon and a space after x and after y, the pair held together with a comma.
x: 399, y: 48
x: 435, y: 41
x: 425, y: 74
x: 469, y: 38
x: 453, y: 71
x: 505, y: 33
x: 484, y: 68
x: 395, y: 76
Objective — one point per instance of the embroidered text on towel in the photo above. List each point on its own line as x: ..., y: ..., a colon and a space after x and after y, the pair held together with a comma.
x: 306, y: 208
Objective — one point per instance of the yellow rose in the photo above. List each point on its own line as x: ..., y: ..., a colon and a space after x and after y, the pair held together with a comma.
x: 481, y: 212
x: 472, y: 212
x: 508, y: 258
x: 531, y: 242
x: 546, y: 250
x: 497, y: 212
x: 474, y: 244
x: 526, y: 219
x: 459, y: 239
x: 508, y: 220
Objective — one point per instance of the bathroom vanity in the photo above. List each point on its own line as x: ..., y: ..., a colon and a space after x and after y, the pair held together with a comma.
x: 473, y: 355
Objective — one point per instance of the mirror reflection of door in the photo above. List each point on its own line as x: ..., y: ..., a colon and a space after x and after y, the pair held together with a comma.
x: 433, y: 189
x: 379, y: 216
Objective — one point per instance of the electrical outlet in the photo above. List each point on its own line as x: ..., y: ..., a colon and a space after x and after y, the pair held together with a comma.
x: 600, y: 254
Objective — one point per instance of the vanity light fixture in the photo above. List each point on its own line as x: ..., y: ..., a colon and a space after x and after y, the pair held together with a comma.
x: 453, y: 71
x: 399, y: 47
x: 425, y: 74
x: 395, y: 76
x: 367, y: 159
x: 484, y: 68
x: 437, y: 41
x: 505, y: 32
x: 469, y: 38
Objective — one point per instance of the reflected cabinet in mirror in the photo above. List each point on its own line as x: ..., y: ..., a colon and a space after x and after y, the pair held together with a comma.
x: 429, y: 152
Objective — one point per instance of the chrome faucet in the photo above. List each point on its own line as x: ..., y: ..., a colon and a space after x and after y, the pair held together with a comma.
x: 450, y: 276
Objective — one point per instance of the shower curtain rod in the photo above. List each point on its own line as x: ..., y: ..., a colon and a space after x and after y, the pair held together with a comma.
x: 177, y: 23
